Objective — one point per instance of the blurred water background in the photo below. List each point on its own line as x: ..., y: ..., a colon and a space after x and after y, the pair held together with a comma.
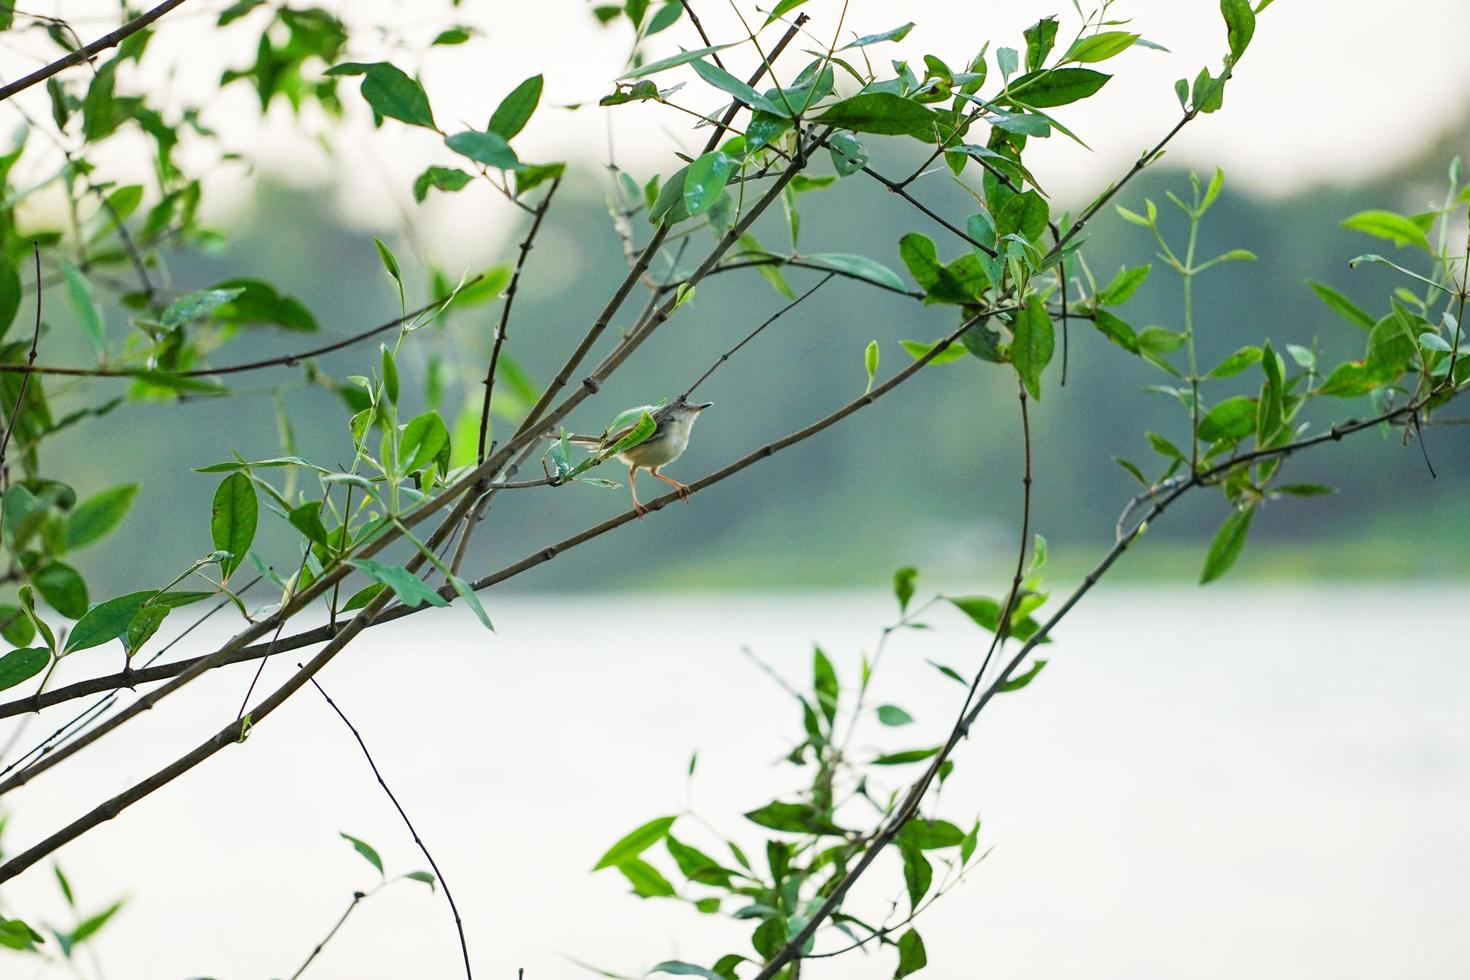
x: 1199, y: 784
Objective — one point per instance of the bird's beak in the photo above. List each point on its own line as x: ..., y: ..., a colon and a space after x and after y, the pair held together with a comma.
x: 701, y: 407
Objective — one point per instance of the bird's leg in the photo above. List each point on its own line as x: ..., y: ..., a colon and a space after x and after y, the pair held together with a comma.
x: 633, y: 487
x: 681, y: 488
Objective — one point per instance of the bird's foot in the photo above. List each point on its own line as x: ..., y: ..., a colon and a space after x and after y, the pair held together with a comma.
x: 639, y: 509
x: 682, y: 489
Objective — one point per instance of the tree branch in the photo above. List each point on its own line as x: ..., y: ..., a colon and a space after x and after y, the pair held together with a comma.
x: 86, y: 52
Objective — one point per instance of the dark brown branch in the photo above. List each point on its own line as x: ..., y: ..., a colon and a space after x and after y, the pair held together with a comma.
x: 915, y: 795
x: 799, y: 263
x: 316, y: 950
x: 102, y: 704
x: 25, y: 380
x: 283, y: 360
x: 535, y: 420
x: 236, y: 652
x: 972, y: 711
x: 86, y: 52
x: 454, y: 909
x: 699, y: 28
x: 527, y: 244
x: 755, y: 333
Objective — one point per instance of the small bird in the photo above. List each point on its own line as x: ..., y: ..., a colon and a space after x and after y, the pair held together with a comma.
x: 669, y: 440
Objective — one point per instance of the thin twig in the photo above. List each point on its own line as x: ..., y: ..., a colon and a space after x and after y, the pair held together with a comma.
x: 501, y: 331
x: 86, y: 52
x: 25, y: 379
x: 357, y: 898
x: 283, y: 360
x: 458, y: 923
x: 755, y: 333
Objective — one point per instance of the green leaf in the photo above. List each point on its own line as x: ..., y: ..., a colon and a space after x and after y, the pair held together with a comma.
x: 894, y: 716
x: 825, y: 685
x: 931, y: 835
x: 260, y: 303
x: 911, y: 955
x: 1240, y: 25
x: 635, y: 843
x: 1303, y: 490
x: 1236, y: 363
x: 906, y: 757
x: 453, y: 35
x: 10, y: 295
x: 673, y: 61
x: 870, y: 362
x: 307, y: 518
x: 1040, y: 37
x: 1099, y: 47
x: 79, y: 291
x: 1055, y: 87
x: 796, y: 818
x: 857, y: 265
x: 903, y: 586
x: 389, y: 367
x: 848, y: 154
x: 424, y: 440
x: 1226, y: 546
x: 490, y: 149
x: 390, y: 262
x: 883, y: 113
x: 1124, y: 285
x: 15, y: 626
x: 422, y: 876
x: 918, y: 874
x: 365, y: 849
x: 682, y: 969
x: 197, y: 305
x: 1391, y: 346
x: 93, y: 924
x: 96, y: 516
x: 1234, y: 418
x: 1269, y: 413
x: 61, y: 587
x: 233, y: 518
x: 918, y: 349
x: 363, y: 596
x: 705, y: 180
x: 143, y: 625
x: 410, y: 589
x: 893, y: 34
x: 441, y: 178
x: 646, y: 880
x: 1020, y: 681
x: 514, y: 111
x: 19, y: 666
x: 726, y: 82
x: 1390, y: 226
x: 1034, y: 342
x: 1025, y: 214
x: 390, y: 92
x: 668, y: 207
x: 15, y: 934
x: 105, y: 621
x: 782, y: 9
x: 465, y: 592
x: 1115, y: 330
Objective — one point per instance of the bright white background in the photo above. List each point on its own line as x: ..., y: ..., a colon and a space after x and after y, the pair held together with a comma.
x: 1205, y: 784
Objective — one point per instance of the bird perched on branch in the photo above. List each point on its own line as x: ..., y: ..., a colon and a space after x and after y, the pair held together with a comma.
x: 668, y: 441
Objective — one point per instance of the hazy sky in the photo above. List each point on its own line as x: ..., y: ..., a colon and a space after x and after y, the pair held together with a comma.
x: 1328, y: 91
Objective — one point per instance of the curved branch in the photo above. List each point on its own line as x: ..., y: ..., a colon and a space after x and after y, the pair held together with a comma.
x: 86, y: 52
x: 283, y: 360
